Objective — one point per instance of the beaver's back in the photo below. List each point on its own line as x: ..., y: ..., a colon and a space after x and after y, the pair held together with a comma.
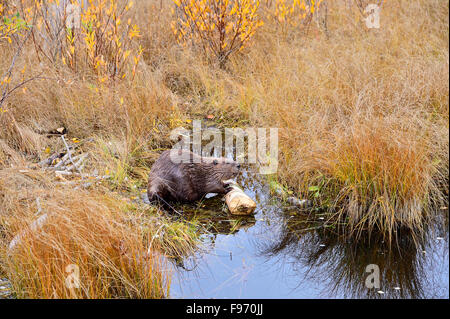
x: 190, y: 179
x: 169, y: 180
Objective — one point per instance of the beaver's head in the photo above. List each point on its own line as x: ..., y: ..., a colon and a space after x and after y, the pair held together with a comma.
x: 217, y: 170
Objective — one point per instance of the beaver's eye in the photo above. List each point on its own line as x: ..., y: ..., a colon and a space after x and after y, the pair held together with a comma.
x: 215, y: 162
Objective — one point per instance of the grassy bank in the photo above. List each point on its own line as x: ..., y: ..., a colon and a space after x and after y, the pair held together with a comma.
x: 116, y: 247
x: 363, y: 120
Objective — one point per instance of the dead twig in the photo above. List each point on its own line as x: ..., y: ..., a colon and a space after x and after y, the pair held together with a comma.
x: 68, y: 152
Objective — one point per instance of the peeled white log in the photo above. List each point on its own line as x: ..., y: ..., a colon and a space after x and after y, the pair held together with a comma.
x: 238, y: 202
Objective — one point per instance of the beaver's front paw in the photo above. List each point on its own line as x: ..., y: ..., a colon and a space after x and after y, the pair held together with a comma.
x: 228, y: 184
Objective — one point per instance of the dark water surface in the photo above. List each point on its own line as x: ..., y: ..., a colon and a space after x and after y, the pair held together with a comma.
x: 282, y: 253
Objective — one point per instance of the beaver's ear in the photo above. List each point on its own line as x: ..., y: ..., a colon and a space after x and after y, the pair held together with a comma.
x: 215, y: 162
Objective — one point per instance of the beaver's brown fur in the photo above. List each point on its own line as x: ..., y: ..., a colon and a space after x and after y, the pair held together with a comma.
x: 187, y: 182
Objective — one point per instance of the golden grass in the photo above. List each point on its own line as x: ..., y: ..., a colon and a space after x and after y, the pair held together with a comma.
x: 102, y: 235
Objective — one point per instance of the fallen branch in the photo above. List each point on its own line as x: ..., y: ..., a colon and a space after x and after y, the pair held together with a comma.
x: 68, y: 151
x: 77, y: 165
x: 35, y: 225
x: 50, y: 160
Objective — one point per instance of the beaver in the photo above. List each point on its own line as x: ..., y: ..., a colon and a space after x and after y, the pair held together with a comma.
x: 189, y: 181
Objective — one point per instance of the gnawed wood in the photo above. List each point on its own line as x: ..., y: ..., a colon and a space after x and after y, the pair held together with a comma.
x: 237, y: 201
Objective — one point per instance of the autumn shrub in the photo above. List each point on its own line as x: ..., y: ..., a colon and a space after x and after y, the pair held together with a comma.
x: 12, y: 27
x: 97, y: 35
x: 219, y: 27
x: 11, y: 23
x: 294, y: 13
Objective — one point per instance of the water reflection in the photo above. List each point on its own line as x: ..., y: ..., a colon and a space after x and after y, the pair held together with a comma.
x: 318, y: 253
x: 286, y: 254
x: 212, y: 215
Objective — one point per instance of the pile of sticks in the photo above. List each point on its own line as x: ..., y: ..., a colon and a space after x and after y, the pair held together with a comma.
x: 65, y: 162
x: 70, y: 162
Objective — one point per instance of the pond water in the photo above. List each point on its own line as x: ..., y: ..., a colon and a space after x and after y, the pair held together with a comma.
x: 283, y: 253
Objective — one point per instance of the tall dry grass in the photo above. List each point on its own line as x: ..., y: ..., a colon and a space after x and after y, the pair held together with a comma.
x: 90, y: 234
x: 363, y: 114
